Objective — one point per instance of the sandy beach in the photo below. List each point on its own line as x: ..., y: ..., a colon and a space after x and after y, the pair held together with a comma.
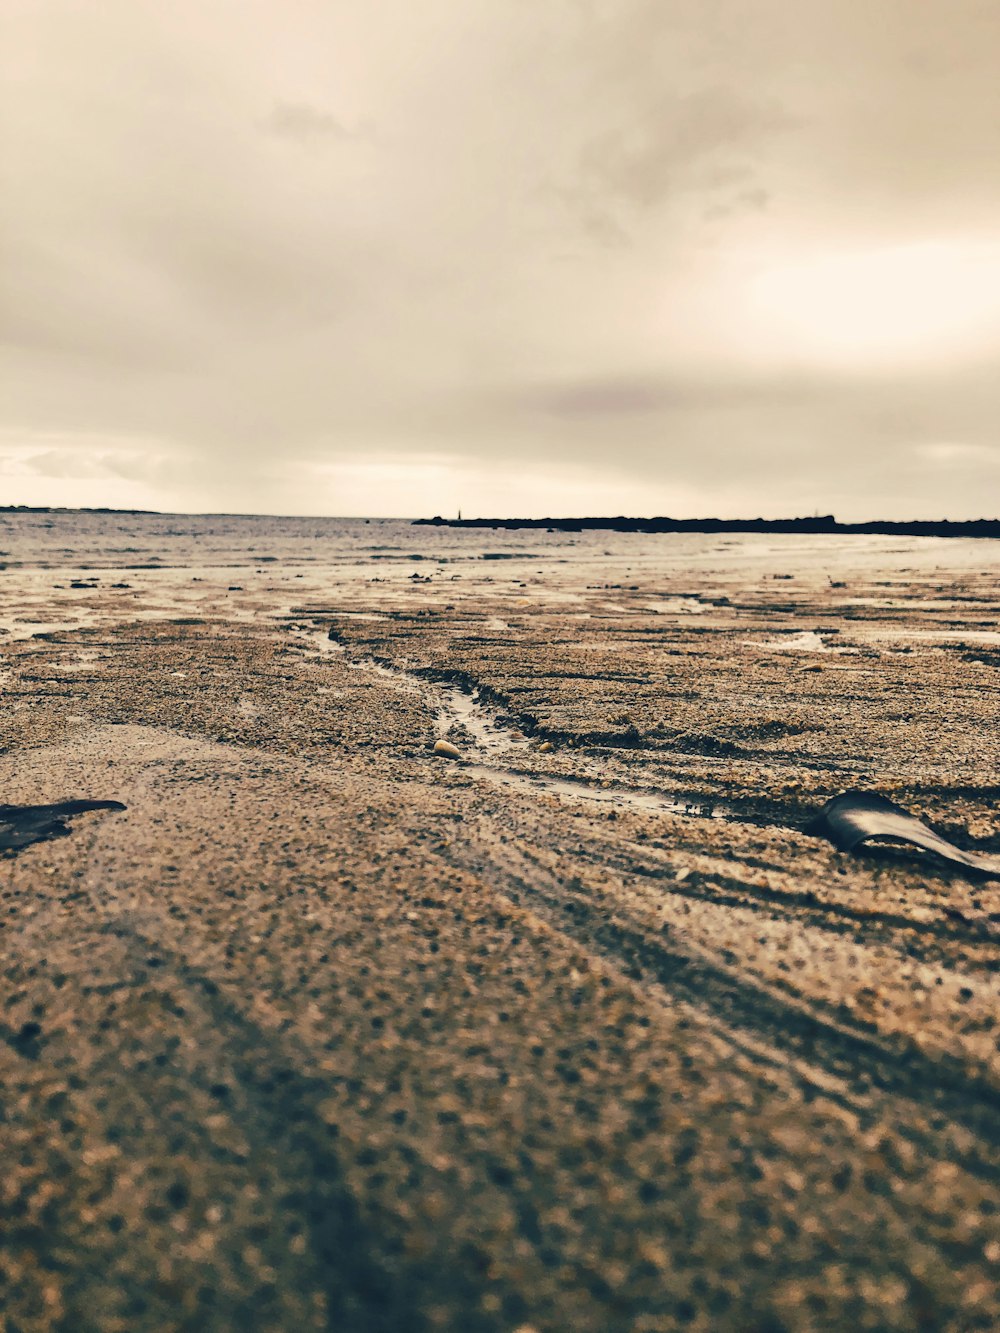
x: 577, y: 1031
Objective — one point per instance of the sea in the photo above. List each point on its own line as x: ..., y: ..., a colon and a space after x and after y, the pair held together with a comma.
x: 87, y: 541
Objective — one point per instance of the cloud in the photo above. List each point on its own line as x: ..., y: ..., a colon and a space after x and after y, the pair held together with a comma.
x: 708, y: 141
x: 599, y: 398
x: 951, y: 455
x: 303, y: 123
x: 543, y: 255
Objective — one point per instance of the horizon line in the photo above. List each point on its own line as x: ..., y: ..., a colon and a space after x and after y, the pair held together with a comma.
x: 438, y: 520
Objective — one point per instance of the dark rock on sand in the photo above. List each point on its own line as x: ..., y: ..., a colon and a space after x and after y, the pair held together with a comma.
x: 22, y: 825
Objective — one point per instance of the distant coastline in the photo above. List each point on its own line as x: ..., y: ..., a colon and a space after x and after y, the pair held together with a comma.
x: 817, y: 524
x: 976, y: 527
x: 68, y: 509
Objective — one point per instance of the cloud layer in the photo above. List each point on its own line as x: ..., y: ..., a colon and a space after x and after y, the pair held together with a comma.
x: 697, y: 257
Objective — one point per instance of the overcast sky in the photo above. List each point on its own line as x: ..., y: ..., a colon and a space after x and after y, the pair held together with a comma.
x: 515, y: 256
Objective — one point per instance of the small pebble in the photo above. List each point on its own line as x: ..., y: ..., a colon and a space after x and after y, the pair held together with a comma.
x: 545, y: 747
x: 447, y: 750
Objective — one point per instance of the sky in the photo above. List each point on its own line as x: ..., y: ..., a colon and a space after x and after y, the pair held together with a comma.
x: 513, y: 257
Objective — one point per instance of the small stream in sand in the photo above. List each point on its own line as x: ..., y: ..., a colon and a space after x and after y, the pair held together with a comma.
x: 495, y: 743
x: 459, y: 713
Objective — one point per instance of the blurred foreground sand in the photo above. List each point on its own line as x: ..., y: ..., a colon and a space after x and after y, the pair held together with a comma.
x: 327, y: 1032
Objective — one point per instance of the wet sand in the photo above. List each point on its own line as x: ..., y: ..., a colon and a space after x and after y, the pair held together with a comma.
x: 326, y: 1031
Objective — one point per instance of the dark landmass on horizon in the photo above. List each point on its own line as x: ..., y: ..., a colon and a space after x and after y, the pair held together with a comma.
x: 826, y: 523
x: 71, y: 509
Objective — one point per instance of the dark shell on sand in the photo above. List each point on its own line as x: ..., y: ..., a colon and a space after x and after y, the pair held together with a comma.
x: 855, y: 817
